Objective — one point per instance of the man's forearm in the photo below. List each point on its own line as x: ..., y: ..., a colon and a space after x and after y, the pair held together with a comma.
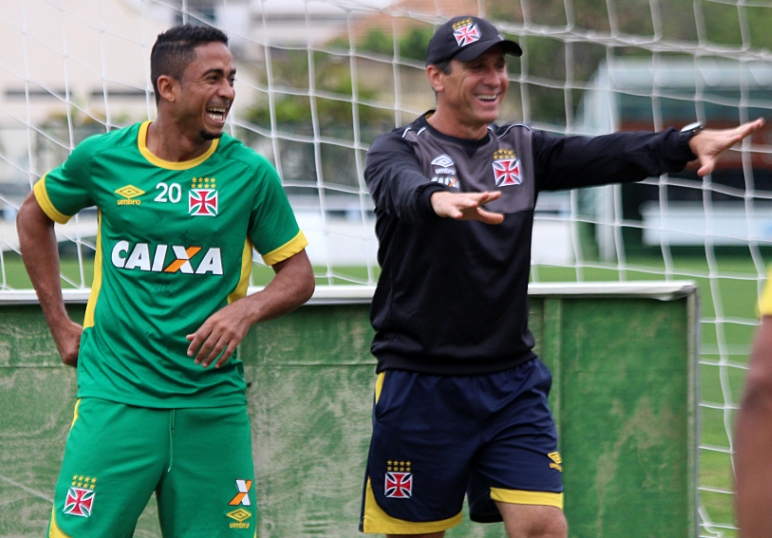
x: 37, y: 242
x: 292, y: 286
x: 39, y: 251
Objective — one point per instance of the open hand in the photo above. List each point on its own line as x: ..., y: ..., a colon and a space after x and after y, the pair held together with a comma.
x: 708, y: 144
x: 466, y: 206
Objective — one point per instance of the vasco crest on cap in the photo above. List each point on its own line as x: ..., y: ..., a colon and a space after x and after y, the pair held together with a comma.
x: 465, y: 31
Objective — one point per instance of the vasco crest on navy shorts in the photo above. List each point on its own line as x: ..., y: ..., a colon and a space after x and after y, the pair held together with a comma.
x: 437, y: 438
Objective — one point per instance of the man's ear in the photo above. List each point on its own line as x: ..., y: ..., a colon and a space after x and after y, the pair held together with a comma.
x: 436, y: 78
x: 168, y: 88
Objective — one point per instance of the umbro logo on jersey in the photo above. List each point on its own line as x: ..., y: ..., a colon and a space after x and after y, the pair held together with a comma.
x: 444, y: 171
x: 129, y: 192
x: 506, y: 168
x: 444, y: 161
x: 186, y: 260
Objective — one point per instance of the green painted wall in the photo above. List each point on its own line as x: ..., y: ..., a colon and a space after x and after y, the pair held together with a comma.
x: 623, y: 397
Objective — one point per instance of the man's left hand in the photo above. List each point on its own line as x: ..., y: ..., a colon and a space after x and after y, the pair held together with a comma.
x: 224, y: 330
x: 708, y: 144
x: 221, y: 333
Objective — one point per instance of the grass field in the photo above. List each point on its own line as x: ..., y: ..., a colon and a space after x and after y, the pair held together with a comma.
x: 727, y: 327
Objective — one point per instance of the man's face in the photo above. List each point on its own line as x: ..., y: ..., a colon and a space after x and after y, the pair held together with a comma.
x: 206, y: 90
x: 473, y: 91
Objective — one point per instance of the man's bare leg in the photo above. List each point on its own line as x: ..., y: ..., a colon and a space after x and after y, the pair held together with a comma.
x: 528, y: 521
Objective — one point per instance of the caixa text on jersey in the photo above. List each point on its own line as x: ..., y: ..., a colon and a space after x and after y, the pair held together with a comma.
x: 167, y: 258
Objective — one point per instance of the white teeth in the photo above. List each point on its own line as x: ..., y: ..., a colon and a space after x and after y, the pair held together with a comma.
x: 217, y: 114
x: 487, y: 97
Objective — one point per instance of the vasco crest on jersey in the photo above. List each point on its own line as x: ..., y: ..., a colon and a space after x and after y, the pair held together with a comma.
x: 202, y: 197
x: 444, y: 171
x: 506, y: 168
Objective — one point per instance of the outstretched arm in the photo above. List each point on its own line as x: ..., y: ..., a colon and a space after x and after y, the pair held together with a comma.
x: 708, y: 144
x: 222, y: 332
x: 39, y: 252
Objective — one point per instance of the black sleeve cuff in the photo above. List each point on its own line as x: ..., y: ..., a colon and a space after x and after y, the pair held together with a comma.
x: 425, y: 209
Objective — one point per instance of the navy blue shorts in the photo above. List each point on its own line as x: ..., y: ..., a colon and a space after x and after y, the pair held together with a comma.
x: 437, y: 438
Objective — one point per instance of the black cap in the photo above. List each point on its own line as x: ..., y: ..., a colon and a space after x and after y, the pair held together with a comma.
x: 465, y: 38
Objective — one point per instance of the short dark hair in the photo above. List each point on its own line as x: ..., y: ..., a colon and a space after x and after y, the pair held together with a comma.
x: 175, y: 49
x: 444, y: 66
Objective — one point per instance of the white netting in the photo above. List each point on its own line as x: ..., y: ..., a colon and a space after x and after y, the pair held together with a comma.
x: 318, y: 80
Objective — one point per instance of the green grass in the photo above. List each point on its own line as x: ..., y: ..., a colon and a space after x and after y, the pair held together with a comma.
x: 733, y: 294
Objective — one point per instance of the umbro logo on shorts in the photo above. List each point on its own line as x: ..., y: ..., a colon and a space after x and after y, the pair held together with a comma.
x: 556, y: 461
x: 240, y: 499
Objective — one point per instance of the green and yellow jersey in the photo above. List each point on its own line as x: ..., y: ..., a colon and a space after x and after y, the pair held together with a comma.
x: 174, y: 245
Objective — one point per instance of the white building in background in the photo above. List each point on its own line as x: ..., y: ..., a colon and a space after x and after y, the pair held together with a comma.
x: 80, y: 64
x: 68, y: 68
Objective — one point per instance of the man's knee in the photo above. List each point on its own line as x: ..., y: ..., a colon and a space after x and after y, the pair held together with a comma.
x: 525, y: 521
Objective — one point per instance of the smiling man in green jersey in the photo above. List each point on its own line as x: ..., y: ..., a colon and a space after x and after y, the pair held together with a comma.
x: 161, y: 394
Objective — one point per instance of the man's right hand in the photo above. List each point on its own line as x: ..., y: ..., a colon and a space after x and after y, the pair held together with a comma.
x: 466, y: 206
x: 67, y: 340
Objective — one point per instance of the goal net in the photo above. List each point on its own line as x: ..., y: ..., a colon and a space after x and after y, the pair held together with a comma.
x: 318, y: 80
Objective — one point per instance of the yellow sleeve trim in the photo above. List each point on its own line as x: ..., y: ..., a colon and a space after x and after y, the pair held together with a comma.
x: 538, y: 498
x: 376, y: 521
x: 765, y: 301
x: 41, y: 195
x: 287, y: 250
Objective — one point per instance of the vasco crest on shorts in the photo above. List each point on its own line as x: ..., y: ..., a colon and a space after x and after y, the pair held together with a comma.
x: 80, y: 496
x: 399, y: 480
